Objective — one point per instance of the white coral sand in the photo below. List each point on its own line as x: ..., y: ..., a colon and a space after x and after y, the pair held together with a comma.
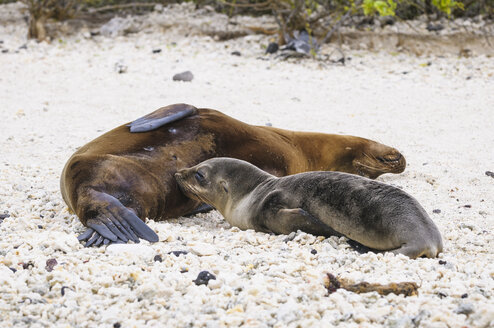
x: 439, y: 111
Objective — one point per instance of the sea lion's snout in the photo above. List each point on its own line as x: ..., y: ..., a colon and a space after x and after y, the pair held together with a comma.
x: 379, y: 159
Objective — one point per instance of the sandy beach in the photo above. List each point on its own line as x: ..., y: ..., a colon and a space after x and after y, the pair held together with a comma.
x: 55, y: 97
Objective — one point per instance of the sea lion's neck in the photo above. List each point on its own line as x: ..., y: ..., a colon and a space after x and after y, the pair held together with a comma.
x: 325, y: 152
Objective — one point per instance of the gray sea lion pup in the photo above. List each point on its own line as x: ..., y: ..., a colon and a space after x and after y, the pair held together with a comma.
x: 376, y: 215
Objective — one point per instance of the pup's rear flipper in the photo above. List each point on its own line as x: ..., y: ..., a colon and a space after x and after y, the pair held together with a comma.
x: 162, y: 116
x: 114, y: 222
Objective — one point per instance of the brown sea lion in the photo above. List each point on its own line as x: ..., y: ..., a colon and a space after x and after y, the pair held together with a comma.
x: 378, y: 216
x: 126, y: 175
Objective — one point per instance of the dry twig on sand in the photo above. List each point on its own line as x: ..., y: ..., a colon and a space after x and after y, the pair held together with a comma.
x: 333, y: 283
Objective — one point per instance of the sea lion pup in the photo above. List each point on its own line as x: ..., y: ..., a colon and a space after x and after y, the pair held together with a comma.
x: 126, y: 175
x: 374, y: 214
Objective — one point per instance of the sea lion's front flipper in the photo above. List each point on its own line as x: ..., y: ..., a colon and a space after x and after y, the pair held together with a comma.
x: 162, y: 116
x: 114, y: 223
x: 293, y: 219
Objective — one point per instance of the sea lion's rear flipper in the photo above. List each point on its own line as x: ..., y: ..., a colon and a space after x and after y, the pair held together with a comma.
x: 162, y: 116
x: 293, y: 219
x: 115, y: 223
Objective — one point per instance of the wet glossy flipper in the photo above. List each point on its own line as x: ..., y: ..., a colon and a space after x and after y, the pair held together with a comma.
x: 114, y: 223
x: 162, y: 116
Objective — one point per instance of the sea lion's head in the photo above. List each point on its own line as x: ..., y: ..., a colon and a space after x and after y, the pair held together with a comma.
x: 219, y: 181
x: 373, y: 159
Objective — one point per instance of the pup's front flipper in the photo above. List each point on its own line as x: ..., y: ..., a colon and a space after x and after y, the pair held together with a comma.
x: 293, y: 219
x: 114, y: 223
x: 162, y: 116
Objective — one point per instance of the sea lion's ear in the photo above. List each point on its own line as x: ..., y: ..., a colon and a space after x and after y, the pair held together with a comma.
x: 224, y: 185
x: 162, y: 116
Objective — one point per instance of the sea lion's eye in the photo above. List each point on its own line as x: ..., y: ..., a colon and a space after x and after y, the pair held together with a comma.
x: 199, y: 177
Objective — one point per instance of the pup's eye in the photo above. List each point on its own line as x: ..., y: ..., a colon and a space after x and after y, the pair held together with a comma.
x: 199, y: 177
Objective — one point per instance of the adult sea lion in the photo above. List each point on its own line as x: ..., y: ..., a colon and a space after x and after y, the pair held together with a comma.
x: 374, y: 214
x: 126, y: 175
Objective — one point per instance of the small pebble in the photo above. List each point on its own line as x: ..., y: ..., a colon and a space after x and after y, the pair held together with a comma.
x: 40, y: 226
x: 27, y: 265
x: 50, y: 264
x: 203, y: 278
x: 464, y: 295
x: 272, y: 48
x: 13, y: 270
x: 158, y: 258
x: 156, y: 51
x: 465, y: 308
x: 489, y: 174
x: 468, y: 206
x: 4, y: 216
x: 5, y: 51
x: 441, y: 295
x: 186, y: 76
x: 236, y: 53
x: 313, y: 251
x: 117, y: 325
x: 442, y: 262
x: 178, y: 253
x: 290, y: 237
x: 62, y: 291
x: 434, y: 27
x: 120, y: 68
x: 436, y: 211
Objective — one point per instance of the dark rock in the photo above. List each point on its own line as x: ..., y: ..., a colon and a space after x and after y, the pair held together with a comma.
x: 434, y: 27
x: 442, y: 295
x: 4, y: 216
x: 236, y: 53
x: 203, y: 278
x: 489, y: 174
x: 156, y: 51
x: 13, y: 270
x: 467, y: 206
x: 27, y: 265
x: 178, y: 253
x: 117, y: 325
x: 40, y: 226
x: 436, y: 211
x: 272, y: 48
x: 62, y: 291
x: 5, y: 51
x: 158, y: 258
x: 464, y: 295
x: 313, y: 252
x: 50, y: 264
x: 186, y: 76
x: 442, y: 262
